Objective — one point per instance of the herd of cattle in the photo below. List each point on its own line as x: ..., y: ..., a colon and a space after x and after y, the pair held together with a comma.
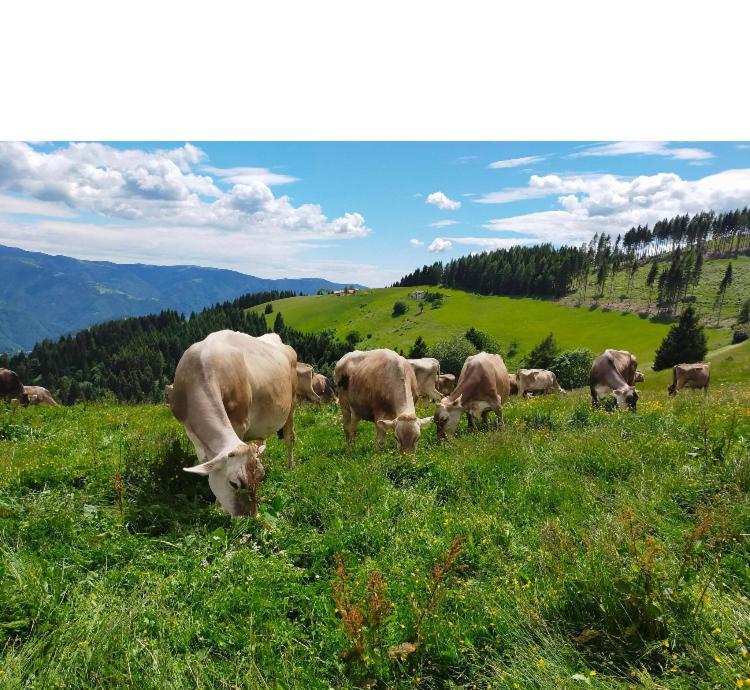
x: 232, y: 391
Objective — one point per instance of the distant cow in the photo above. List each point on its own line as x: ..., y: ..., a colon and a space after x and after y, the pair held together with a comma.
x: 690, y: 376
x: 482, y: 387
x: 168, y: 393
x: 426, y: 371
x: 639, y: 377
x: 11, y: 386
x: 446, y: 383
x: 312, y: 386
x: 379, y: 386
x: 228, y: 389
x: 323, y: 387
x: 38, y: 395
x: 531, y: 381
x: 615, y: 371
x: 513, y: 381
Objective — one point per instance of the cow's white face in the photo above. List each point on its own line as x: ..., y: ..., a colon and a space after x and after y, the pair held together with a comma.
x: 626, y: 397
x: 447, y: 416
x: 407, y: 429
x: 234, y: 478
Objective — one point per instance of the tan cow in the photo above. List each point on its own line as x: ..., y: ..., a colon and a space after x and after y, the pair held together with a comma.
x: 639, y: 377
x: 695, y: 375
x: 11, y: 386
x: 513, y: 381
x: 379, y: 386
x: 230, y: 389
x: 446, y: 383
x: 482, y: 387
x: 542, y: 381
x: 426, y: 371
x: 312, y: 386
x: 323, y: 387
x: 615, y: 371
x: 38, y: 395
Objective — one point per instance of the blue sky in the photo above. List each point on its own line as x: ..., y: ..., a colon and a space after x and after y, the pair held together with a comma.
x: 366, y: 212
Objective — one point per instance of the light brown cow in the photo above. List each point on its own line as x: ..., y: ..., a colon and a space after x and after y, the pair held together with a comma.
x: 639, y: 377
x: 323, y: 387
x: 615, y: 371
x: 230, y: 389
x: 38, y: 395
x: 379, y: 386
x: 482, y: 387
x: 695, y: 375
x: 446, y: 383
x: 11, y: 386
x: 312, y: 386
x: 542, y: 381
x: 426, y: 371
x: 513, y: 381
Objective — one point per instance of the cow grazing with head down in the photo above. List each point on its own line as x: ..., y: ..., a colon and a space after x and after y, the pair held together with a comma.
x: 482, y: 388
x: 231, y: 391
x: 313, y: 387
x: 513, y: 382
x: 615, y: 371
x: 695, y: 375
x: 639, y: 377
x: 38, y: 395
x: 379, y: 386
x: 11, y: 386
x: 533, y: 381
x: 426, y: 371
x: 446, y: 383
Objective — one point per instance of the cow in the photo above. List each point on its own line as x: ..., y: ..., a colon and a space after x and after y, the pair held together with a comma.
x: 446, y: 383
x: 615, y: 371
x: 690, y: 376
x: 513, y: 381
x: 482, y: 387
x: 168, y: 393
x: 231, y: 390
x: 379, y: 386
x: 38, y: 395
x: 426, y: 371
x: 531, y: 381
x: 11, y: 386
x: 323, y: 387
x: 639, y: 377
x: 312, y: 386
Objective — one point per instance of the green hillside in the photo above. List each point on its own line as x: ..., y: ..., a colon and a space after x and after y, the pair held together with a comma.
x: 523, y: 320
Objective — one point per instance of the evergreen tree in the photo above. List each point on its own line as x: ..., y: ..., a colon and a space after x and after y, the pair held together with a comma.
x: 278, y: 324
x: 269, y: 308
x: 419, y: 349
x: 685, y: 343
x: 542, y: 356
x: 650, y: 279
x: 726, y: 281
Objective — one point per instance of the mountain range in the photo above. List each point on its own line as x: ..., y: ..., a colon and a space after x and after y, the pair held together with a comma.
x: 46, y: 296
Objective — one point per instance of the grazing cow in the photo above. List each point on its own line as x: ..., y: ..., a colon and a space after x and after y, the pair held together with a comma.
x: 690, y: 376
x: 38, y: 395
x: 323, y: 387
x: 168, y: 393
x: 312, y: 386
x: 639, y: 377
x: 228, y: 389
x: 446, y: 383
x: 482, y: 387
x: 531, y: 381
x: 11, y: 386
x: 379, y: 386
x: 614, y: 370
x: 426, y: 371
x: 513, y: 381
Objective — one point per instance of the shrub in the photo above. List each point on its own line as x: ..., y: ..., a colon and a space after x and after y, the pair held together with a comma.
x: 269, y: 308
x: 482, y: 341
x: 685, y: 342
x: 419, y: 349
x: 573, y: 367
x: 352, y: 338
x: 542, y: 356
x: 452, y: 354
x: 399, y: 308
x: 740, y: 334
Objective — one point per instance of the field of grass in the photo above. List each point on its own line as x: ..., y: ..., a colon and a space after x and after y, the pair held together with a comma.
x: 595, y: 549
x: 526, y: 321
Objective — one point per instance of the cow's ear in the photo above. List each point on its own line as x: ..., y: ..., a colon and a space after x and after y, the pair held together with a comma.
x: 385, y: 424
x: 425, y: 421
x: 261, y: 449
x: 207, y: 467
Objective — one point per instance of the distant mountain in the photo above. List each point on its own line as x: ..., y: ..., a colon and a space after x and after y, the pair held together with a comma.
x: 45, y: 296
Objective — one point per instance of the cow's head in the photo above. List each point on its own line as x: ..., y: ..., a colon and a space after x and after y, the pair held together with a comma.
x: 626, y: 397
x: 407, y: 428
x: 639, y: 377
x: 447, y: 416
x: 234, y: 478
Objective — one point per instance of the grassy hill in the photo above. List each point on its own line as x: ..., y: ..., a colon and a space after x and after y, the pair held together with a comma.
x: 595, y: 549
x: 523, y: 320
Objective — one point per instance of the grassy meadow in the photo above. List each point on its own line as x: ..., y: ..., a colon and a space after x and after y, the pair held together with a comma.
x: 523, y: 320
x: 572, y: 548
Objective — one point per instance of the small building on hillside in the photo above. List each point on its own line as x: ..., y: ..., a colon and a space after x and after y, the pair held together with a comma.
x: 418, y: 294
x: 346, y: 291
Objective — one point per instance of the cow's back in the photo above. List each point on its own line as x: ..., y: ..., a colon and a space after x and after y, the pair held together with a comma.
x: 484, y: 376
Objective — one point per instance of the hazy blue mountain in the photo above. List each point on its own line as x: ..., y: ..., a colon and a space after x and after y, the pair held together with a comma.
x: 45, y: 296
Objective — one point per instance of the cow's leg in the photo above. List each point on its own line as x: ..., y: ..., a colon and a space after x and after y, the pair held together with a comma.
x: 290, y: 436
x: 486, y: 417
x: 594, y: 399
x: 380, y: 437
x: 350, y: 425
x: 497, y: 408
x: 435, y: 395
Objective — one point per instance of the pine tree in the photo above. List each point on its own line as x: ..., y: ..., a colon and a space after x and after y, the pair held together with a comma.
x: 278, y: 324
x: 542, y: 356
x: 419, y: 349
x: 650, y: 279
x: 685, y: 343
x: 726, y: 281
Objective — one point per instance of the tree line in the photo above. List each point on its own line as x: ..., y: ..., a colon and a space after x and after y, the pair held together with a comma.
x: 133, y: 359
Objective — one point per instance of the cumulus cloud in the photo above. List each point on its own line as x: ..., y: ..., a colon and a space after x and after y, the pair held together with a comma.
x: 516, y: 162
x: 416, y: 243
x: 443, y: 202
x: 443, y: 223
x: 439, y: 245
x: 645, y: 148
x: 245, y: 175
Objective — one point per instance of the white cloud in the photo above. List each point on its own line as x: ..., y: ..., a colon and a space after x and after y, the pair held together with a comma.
x: 645, y: 148
x: 443, y: 202
x: 443, y: 223
x: 487, y: 242
x: 439, y: 245
x: 244, y: 175
x: 416, y: 243
x: 516, y: 162
x: 19, y: 205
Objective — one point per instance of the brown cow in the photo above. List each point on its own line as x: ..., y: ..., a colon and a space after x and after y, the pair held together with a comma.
x: 426, y: 371
x: 615, y: 371
x: 323, y: 387
x: 482, y: 387
x: 312, y: 386
x: 228, y: 389
x: 38, y: 395
x: 695, y: 375
x: 513, y: 381
x: 446, y: 383
x: 531, y: 381
x: 379, y: 386
x: 11, y: 386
